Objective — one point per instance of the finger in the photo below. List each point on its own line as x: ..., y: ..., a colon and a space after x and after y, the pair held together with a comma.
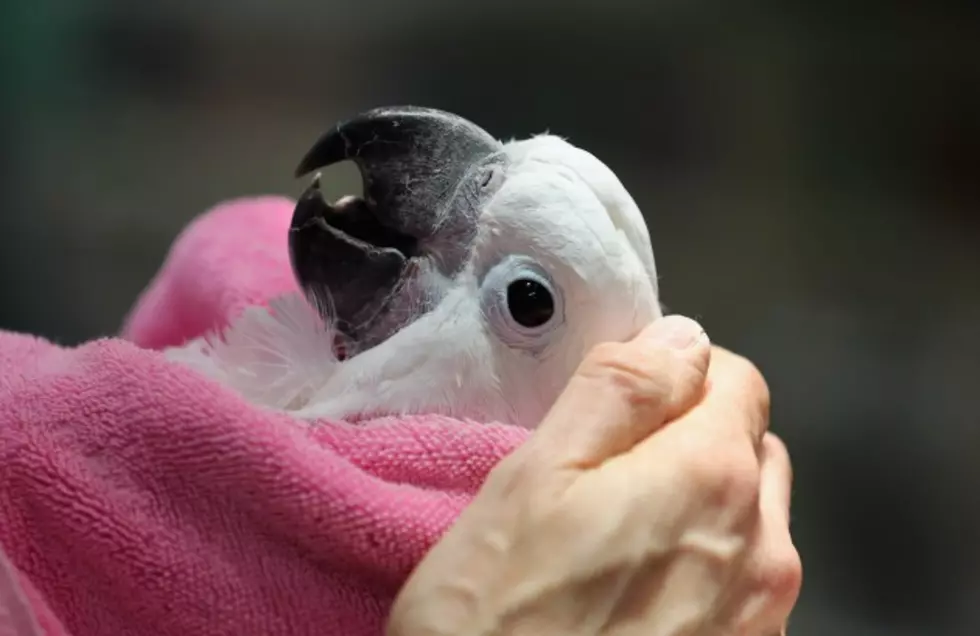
x: 777, y: 561
x: 736, y: 399
x: 710, y: 454
x: 773, y: 572
x: 773, y: 591
x: 775, y: 489
x: 622, y: 392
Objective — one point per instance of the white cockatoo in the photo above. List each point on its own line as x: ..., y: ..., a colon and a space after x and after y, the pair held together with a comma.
x: 469, y: 279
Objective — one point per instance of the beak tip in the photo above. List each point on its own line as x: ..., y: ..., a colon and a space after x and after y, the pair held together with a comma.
x: 312, y: 192
x: 305, y: 167
x: 330, y: 148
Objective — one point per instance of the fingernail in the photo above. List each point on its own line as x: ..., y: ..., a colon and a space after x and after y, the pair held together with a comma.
x: 676, y: 332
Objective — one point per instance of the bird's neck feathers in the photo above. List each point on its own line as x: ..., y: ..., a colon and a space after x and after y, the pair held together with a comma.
x: 283, y: 358
x: 275, y: 357
x: 442, y: 362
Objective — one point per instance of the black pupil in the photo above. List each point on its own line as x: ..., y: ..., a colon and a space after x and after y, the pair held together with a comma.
x: 530, y: 303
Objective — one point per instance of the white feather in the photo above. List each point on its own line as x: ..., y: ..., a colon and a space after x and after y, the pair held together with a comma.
x: 558, y: 206
x: 275, y: 357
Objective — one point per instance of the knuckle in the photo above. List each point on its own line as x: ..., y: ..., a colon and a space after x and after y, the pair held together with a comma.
x: 775, y: 446
x: 754, y: 383
x: 728, y: 477
x: 780, y: 576
x: 642, y: 378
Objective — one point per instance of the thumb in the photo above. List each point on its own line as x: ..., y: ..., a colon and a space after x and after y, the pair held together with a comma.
x: 623, y: 392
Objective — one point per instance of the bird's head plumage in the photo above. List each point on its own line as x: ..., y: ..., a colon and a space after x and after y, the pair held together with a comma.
x: 470, y: 277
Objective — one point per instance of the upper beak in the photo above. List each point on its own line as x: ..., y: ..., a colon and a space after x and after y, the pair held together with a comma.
x: 357, y: 257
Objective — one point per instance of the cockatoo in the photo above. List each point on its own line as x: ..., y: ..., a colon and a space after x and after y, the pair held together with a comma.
x: 470, y: 278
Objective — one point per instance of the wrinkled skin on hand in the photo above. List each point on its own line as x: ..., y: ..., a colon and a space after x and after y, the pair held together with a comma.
x: 651, y: 501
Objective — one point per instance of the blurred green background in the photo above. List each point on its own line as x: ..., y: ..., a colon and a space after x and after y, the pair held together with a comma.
x: 809, y: 172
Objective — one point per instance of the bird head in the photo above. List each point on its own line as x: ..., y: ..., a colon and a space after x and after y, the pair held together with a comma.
x: 470, y: 276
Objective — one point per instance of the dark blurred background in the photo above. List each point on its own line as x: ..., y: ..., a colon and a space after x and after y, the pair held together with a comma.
x: 809, y: 173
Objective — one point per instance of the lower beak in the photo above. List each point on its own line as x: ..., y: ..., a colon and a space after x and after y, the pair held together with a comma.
x: 349, y: 275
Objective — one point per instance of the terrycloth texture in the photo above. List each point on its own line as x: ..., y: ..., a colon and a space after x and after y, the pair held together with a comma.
x: 17, y: 617
x: 233, y: 256
x: 138, y: 498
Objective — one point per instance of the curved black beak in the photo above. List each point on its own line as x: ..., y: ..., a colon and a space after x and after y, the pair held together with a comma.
x: 355, y: 259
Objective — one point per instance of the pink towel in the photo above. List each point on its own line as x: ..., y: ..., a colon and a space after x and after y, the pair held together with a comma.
x: 138, y: 498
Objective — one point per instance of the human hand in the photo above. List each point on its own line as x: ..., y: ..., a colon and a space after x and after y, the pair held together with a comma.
x: 650, y: 501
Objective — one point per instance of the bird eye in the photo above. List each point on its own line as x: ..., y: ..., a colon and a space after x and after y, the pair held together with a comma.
x: 530, y: 303
x: 522, y: 303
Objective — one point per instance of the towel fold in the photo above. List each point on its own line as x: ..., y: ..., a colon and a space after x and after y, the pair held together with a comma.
x: 138, y: 498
